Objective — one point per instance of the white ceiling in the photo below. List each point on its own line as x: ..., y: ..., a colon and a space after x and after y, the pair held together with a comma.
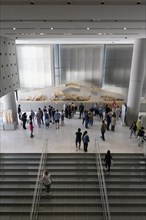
x: 73, y: 21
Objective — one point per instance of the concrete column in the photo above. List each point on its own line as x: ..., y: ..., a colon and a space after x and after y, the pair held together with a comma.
x: 9, y: 102
x: 136, y: 80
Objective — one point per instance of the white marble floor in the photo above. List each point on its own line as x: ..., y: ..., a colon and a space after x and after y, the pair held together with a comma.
x: 63, y: 139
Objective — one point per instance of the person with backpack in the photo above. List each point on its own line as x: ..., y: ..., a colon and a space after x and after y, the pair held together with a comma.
x: 86, y: 140
x: 133, y: 129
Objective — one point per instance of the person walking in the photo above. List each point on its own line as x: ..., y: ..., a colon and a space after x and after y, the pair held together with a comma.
x: 103, y: 130
x: 78, y: 139
x: 107, y: 160
x: 47, y: 181
x: 133, y: 129
x: 86, y: 140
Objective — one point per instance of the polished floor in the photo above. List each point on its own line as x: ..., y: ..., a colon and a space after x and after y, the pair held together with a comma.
x: 62, y: 140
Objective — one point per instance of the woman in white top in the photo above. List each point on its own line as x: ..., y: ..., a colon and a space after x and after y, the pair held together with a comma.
x: 47, y: 180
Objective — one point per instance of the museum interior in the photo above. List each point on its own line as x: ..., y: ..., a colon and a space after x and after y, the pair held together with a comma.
x: 58, y: 54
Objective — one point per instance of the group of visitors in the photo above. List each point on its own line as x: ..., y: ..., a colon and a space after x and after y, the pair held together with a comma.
x: 43, y: 117
x: 137, y: 129
x: 84, y: 138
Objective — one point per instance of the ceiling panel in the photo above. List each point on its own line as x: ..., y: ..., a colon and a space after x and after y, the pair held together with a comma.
x: 123, y: 21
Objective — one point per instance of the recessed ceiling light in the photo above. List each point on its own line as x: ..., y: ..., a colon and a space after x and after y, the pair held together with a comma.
x: 41, y: 33
x: 88, y: 28
x: 125, y: 28
x: 14, y: 28
x: 99, y: 33
x: 51, y: 28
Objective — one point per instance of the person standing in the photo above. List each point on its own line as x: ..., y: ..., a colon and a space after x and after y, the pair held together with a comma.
x: 32, y: 113
x: 47, y: 120
x: 139, y: 123
x: 86, y: 140
x: 103, y: 130
x: 81, y: 110
x: 62, y: 118
x: 38, y: 117
x: 108, y: 119
x: 57, y: 118
x: 47, y: 181
x: 24, y: 120
x: 107, y: 160
x: 31, y: 129
x: 78, y: 139
x: 19, y: 112
x: 42, y: 114
x: 113, y: 121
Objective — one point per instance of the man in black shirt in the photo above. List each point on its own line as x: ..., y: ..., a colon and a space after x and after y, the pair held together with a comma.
x: 78, y: 139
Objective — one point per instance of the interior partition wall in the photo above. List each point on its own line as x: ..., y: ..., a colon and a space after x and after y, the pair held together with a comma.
x: 117, y: 65
x: 81, y: 63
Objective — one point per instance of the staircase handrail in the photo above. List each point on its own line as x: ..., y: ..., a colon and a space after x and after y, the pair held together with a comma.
x: 38, y: 185
x: 102, y: 185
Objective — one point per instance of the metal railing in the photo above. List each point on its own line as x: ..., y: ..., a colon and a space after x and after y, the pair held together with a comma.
x: 102, y: 186
x: 38, y: 186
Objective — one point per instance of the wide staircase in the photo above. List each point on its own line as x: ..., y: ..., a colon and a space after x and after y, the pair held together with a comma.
x: 75, y: 188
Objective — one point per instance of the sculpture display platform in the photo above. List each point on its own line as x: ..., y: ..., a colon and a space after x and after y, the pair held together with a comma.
x: 72, y: 92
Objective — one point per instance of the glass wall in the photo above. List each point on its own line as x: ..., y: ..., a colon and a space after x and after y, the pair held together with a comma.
x: 117, y: 66
x: 82, y: 63
x: 35, y: 66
